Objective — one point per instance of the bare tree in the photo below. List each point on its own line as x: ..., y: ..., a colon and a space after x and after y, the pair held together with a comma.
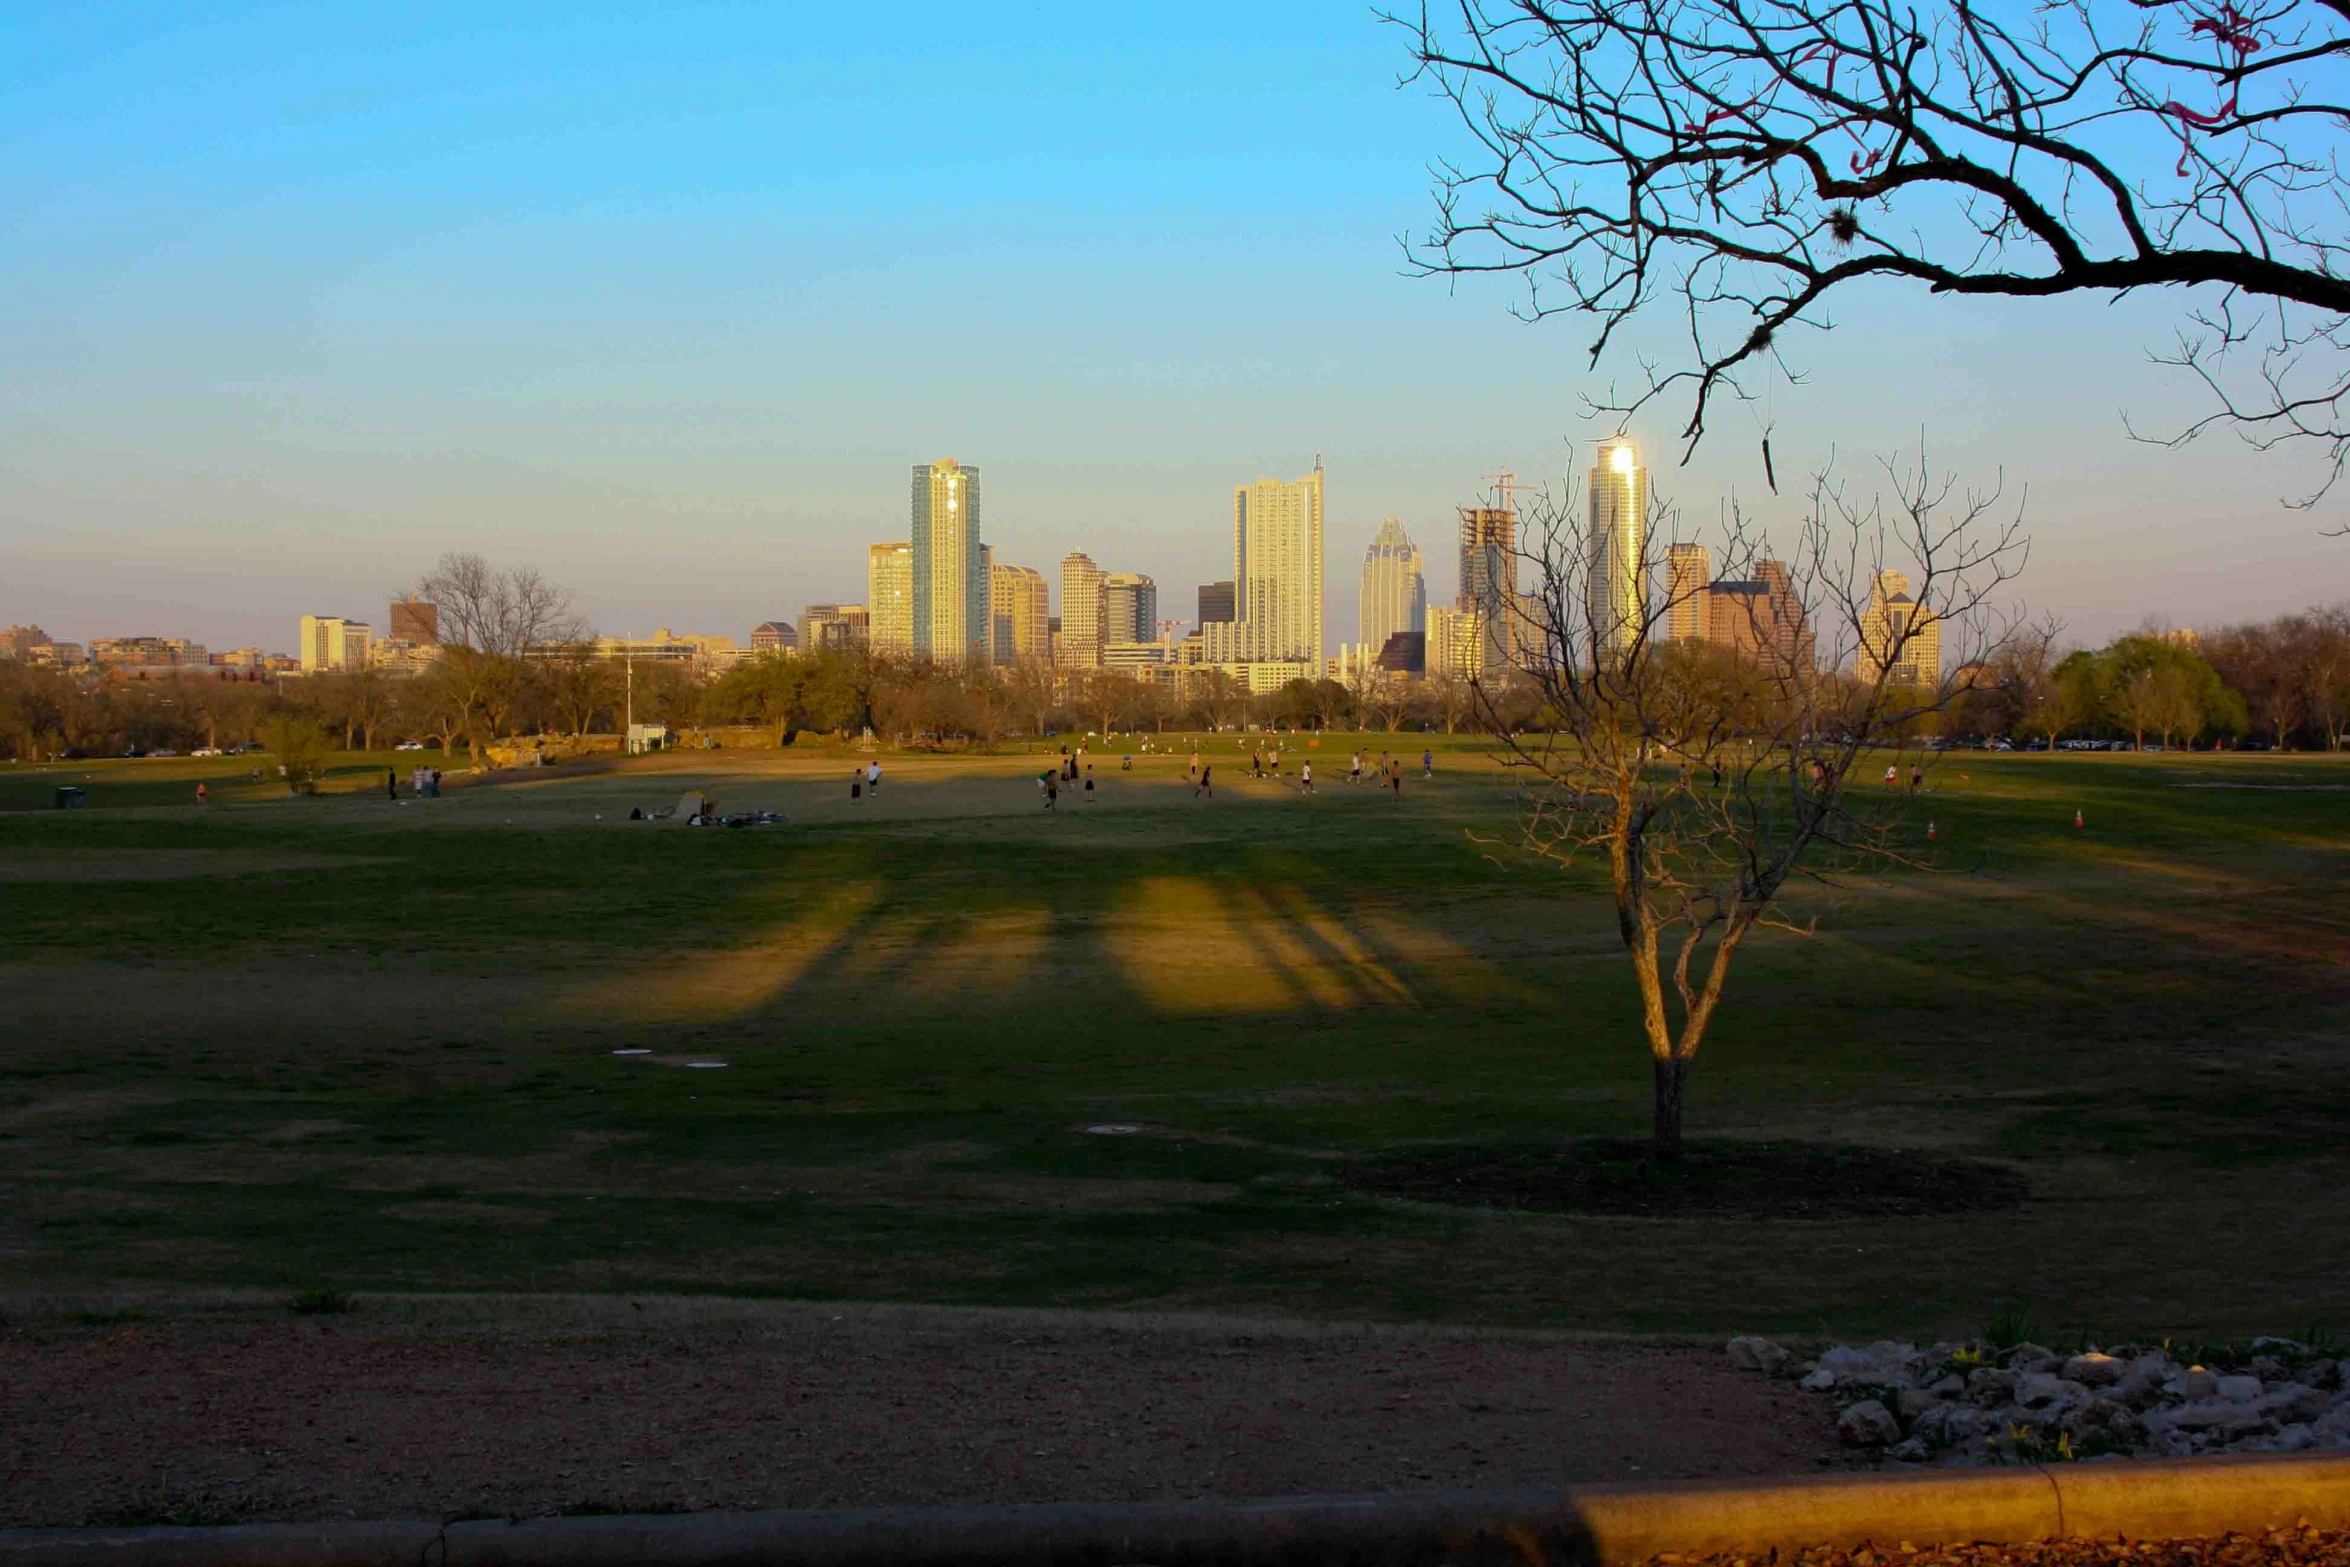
x: 1708, y: 778
x: 1741, y: 161
x: 503, y: 611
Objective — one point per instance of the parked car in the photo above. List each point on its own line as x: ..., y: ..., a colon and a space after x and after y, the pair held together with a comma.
x: 206, y: 750
x: 163, y: 751
x: 409, y: 745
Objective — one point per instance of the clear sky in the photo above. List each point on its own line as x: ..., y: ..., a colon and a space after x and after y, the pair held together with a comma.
x: 665, y: 299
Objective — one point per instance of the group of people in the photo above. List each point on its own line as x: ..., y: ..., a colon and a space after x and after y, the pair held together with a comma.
x: 1050, y: 780
x: 864, y: 780
x: 1389, y: 771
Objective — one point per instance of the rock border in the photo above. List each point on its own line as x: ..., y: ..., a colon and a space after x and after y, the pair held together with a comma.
x: 1597, y: 1526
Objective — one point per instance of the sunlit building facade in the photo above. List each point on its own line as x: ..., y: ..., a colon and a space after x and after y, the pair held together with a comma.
x: 1616, y: 549
x: 889, y: 597
x: 1021, y: 602
x: 1456, y: 643
x: 1900, y: 639
x: 950, y: 588
x: 1394, y: 593
x: 1080, y: 645
x: 1277, y: 570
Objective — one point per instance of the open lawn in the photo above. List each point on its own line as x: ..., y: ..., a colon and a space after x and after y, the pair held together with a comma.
x: 278, y: 1044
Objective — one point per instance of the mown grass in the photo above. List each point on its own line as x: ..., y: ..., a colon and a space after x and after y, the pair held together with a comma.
x: 393, y: 1069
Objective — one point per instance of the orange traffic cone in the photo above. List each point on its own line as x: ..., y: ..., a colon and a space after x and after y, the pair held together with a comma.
x: 2077, y: 822
x: 1929, y: 832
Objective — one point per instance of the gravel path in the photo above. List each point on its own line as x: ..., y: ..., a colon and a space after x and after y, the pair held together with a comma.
x: 409, y: 1409
x: 2277, y: 1548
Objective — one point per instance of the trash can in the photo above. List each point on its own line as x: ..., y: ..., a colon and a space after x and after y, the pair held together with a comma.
x: 71, y: 797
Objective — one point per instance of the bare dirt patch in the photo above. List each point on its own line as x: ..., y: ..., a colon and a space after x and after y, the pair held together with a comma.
x: 448, y: 1407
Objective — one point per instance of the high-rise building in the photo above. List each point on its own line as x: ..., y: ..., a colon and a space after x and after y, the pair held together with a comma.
x: 1080, y: 645
x: 1489, y: 583
x: 1900, y: 638
x: 889, y: 597
x: 774, y: 636
x: 1277, y: 570
x: 1130, y: 608
x: 1616, y: 548
x: 1688, y: 570
x: 950, y: 600
x: 1456, y: 643
x: 1395, y: 587
x: 415, y: 622
x: 1021, y: 603
x: 331, y: 642
x: 1215, y: 601
x: 833, y: 627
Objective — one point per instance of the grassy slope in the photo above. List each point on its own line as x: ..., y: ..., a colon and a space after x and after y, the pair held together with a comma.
x: 395, y: 1070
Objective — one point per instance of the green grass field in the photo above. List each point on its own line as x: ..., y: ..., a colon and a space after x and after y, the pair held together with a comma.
x: 281, y: 1044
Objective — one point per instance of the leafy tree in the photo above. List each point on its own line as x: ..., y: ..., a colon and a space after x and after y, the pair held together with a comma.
x: 302, y: 750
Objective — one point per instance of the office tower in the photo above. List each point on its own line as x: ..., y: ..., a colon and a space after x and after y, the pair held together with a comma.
x: 1215, y: 601
x: 415, y: 622
x: 331, y: 642
x: 1616, y: 548
x: 1891, y: 615
x: 1489, y: 582
x: 1277, y: 571
x: 1130, y: 608
x: 949, y: 610
x: 1455, y: 643
x: 1395, y: 588
x: 1688, y: 569
x: 1080, y: 645
x: 774, y: 636
x: 1760, y: 618
x: 1021, y: 605
x: 833, y: 627
x: 889, y: 597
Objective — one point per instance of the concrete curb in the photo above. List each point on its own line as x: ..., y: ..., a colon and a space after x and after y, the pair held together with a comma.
x: 1591, y: 1526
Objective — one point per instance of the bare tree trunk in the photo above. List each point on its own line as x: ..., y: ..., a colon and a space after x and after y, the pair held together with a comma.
x: 1672, y: 1078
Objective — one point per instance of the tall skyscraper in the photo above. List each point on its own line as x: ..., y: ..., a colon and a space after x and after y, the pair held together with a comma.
x: 1688, y: 569
x: 1081, y: 611
x: 889, y: 597
x: 1616, y: 548
x: 1489, y: 582
x: 950, y: 600
x: 1395, y: 587
x: 1891, y: 617
x: 1130, y: 608
x: 1215, y: 601
x: 1277, y: 570
x: 1021, y: 603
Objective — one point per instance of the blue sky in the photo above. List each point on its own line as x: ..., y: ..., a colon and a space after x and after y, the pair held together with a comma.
x: 665, y: 299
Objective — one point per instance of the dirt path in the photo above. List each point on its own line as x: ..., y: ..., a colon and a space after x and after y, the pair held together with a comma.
x: 517, y: 1408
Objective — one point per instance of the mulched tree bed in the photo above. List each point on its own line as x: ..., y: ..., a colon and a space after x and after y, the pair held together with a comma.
x: 1714, y: 1180
x: 2276, y: 1548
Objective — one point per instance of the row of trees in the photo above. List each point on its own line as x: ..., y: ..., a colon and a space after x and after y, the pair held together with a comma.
x: 2282, y: 682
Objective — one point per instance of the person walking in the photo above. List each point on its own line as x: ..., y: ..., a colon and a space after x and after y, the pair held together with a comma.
x: 1427, y: 764
x: 856, y: 783
x: 1917, y: 778
x: 1207, y: 782
x: 1305, y: 776
x: 1395, y: 776
x: 202, y: 796
x: 1354, y: 769
x: 1052, y: 793
x: 1089, y: 783
x: 873, y: 778
x: 392, y: 783
x: 1191, y: 769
